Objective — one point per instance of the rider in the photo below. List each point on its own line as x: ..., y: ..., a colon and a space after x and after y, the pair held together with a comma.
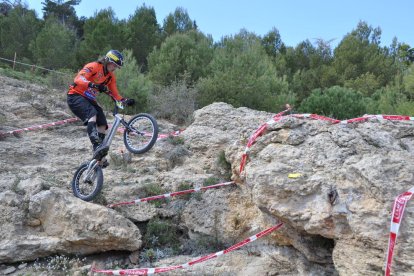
x: 96, y: 77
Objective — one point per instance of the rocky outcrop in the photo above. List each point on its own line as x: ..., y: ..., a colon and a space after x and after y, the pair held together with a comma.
x: 336, y: 210
x: 54, y: 222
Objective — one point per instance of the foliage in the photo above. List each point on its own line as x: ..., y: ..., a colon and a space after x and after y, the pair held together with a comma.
x: 408, y: 81
x: 53, y: 265
x: 63, y: 11
x: 153, y: 189
x: 143, y: 34
x: 272, y: 43
x: 176, y: 155
x: 390, y: 100
x: 101, y: 33
x: 243, y: 70
x: 175, y: 102
x: 26, y: 76
x: 60, y: 79
x: 179, y: 21
x: 161, y: 233
x: 44, y: 46
x: 359, y: 53
x: 181, y: 56
x: 336, y: 102
x: 185, y: 186
x: 242, y: 74
x: 17, y: 30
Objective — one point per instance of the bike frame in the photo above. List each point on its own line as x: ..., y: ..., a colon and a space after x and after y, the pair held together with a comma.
x: 106, y: 142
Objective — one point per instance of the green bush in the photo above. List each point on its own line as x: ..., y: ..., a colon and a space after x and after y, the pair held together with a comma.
x: 161, y: 233
x: 244, y: 75
x: 337, y: 102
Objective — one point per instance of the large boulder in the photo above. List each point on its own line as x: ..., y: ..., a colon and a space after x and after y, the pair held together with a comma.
x: 55, y: 222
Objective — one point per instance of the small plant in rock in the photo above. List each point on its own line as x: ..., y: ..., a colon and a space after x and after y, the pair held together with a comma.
x: 148, y: 256
x: 225, y: 167
x: 59, y: 263
x: 175, y: 140
x: 210, y: 181
x: 15, y: 185
x: 151, y: 255
x: 175, y: 156
x: 152, y: 189
x: 161, y: 233
x: 185, y: 186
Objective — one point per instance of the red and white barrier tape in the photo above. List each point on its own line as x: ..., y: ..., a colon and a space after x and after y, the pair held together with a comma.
x: 160, y: 136
x: 279, y: 116
x: 39, y: 126
x: 396, y: 217
x: 136, y: 201
x: 71, y: 120
x: 148, y: 271
x: 259, y: 132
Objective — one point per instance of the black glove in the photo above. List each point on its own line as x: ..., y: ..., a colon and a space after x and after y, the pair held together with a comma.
x: 100, y: 87
x: 128, y: 102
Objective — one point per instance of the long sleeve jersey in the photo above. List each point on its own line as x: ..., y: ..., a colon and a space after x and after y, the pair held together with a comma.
x: 93, y: 72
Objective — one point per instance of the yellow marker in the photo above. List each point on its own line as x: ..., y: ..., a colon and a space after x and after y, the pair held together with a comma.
x: 294, y: 175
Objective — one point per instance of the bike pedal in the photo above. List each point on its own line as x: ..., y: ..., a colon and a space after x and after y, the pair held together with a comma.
x: 104, y: 163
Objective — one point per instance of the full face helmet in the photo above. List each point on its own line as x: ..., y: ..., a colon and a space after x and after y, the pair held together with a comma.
x: 115, y: 57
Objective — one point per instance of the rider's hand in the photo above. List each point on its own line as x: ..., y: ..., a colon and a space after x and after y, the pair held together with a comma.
x: 128, y: 102
x: 100, y: 87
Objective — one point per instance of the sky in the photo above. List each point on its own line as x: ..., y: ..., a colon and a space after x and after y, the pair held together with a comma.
x: 296, y: 20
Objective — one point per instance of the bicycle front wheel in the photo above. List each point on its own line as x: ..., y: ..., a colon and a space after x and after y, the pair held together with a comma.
x: 141, y: 134
x: 87, y: 187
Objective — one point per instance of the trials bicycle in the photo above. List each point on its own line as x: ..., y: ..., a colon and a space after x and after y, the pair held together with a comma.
x: 140, y: 135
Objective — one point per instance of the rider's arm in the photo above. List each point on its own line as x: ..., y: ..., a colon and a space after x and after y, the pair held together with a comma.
x: 84, y: 76
x: 112, y: 87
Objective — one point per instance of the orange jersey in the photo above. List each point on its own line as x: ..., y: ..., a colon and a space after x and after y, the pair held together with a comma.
x: 93, y: 72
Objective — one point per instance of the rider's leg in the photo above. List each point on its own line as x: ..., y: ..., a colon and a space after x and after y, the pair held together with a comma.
x: 101, y: 150
x: 93, y: 132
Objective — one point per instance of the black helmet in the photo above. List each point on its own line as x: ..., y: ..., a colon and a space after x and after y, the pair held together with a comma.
x: 115, y: 57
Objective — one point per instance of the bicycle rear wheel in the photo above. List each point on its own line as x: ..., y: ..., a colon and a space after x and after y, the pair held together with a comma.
x: 141, y: 134
x: 87, y: 189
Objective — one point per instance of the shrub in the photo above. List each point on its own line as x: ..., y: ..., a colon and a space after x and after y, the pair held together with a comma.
x: 161, y: 233
x: 336, y: 102
x: 175, y: 102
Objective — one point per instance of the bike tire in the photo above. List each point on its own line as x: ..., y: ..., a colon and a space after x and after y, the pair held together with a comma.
x: 145, y: 136
x: 83, y: 190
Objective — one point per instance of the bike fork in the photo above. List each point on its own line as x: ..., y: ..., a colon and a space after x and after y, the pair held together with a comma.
x: 89, y: 175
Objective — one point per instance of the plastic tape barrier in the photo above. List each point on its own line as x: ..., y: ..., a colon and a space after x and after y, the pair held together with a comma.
x: 71, y: 120
x: 156, y: 197
x: 396, y: 218
x: 148, y: 271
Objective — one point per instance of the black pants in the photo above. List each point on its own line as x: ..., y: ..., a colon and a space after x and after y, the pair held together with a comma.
x: 85, y: 109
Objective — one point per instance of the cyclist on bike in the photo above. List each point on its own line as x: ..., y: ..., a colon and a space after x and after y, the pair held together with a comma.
x: 96, y: 77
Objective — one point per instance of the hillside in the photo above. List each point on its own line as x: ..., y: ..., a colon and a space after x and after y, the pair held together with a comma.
x: 336, y: 212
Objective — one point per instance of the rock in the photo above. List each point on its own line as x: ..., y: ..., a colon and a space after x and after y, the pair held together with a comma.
x: 336, y: 214
x: 21, y: 266
x: 68, y: 225
x: 9, y: 270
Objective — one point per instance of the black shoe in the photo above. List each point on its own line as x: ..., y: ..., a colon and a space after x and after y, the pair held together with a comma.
x: 100, y: 152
